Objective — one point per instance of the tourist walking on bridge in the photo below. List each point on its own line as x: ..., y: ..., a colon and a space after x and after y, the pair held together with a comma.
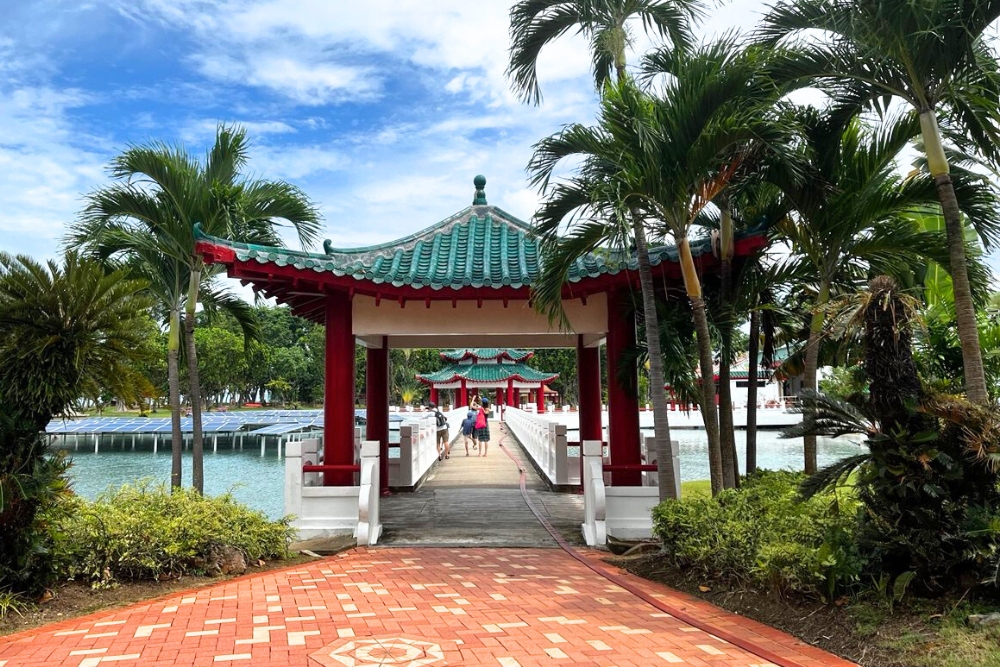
x: 443, y: 441
x: 482, y: 433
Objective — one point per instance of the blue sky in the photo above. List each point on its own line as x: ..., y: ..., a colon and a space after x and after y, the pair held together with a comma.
x: 382, y: 110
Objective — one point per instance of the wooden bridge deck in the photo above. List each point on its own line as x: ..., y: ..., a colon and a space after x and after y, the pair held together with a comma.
x: 476, y: 501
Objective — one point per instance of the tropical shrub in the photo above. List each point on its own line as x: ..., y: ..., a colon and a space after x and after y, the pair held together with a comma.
x: 763, y: 534
x: 928, y: 483
x: 146, y: 532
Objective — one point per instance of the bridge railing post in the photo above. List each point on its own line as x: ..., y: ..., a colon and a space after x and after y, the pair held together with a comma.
x: 369, y: 517
x: 594, y: 500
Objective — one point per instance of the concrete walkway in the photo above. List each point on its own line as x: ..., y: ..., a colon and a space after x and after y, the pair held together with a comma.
x: 414, y: 606
x: 476, y: 501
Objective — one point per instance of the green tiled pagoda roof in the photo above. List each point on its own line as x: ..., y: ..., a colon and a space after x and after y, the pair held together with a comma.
x: 487, y: 373
x: 477, y: 353
x: 480, y: 246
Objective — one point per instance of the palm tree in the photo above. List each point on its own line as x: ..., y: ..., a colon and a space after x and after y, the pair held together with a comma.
x: 933, y: 56
x: 714, y: 118
x: 535, y: 23
x: 657, y: 160
x: 606, y: 24
x: 162, y: 192
x: 851, y: 218
x: 65, y: 330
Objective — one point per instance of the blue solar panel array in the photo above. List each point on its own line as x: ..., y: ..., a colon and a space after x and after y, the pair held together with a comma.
x: 255, y: 422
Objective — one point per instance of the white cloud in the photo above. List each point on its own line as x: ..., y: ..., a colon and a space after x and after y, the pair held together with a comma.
x: 45, y: 165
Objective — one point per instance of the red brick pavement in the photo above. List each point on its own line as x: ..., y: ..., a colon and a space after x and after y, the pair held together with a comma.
x: 413, y: 607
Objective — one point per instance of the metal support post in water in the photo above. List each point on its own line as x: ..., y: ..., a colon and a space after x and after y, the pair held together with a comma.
x: 155, y: 442
x: 133, y: 442
x: 279, y: 447
x: 96, y: 443
x: 263, y: 443
x: 215, y: 443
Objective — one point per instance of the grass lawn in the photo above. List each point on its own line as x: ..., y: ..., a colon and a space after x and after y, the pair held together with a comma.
x: 699, y: 488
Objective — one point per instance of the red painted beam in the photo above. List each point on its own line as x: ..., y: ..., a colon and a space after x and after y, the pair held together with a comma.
x: 377, y: 406
x: 338, y: 404
x: 623, y: 389
x: 588, y: 364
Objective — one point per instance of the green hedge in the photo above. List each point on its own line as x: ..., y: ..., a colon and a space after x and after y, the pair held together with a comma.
x: 762, y: 534
x: 145, y: 532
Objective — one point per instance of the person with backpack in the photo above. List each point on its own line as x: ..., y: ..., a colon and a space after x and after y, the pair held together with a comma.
x: 468, y: 428
x: 443, y: 441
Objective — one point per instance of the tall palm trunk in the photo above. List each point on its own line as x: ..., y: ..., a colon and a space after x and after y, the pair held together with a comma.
x: 693, y: 286
x: 173, y: 382
x: 965, y: 309
x: 727, y: 436
x: 197, y: 449
x: 657, y: 392
x: 811, y: 367
x: 752, y: 352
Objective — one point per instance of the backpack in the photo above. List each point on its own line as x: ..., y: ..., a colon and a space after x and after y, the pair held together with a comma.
x: 441, y: 419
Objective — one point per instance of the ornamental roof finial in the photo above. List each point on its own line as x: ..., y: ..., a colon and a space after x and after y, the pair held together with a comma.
x: 480, y: 183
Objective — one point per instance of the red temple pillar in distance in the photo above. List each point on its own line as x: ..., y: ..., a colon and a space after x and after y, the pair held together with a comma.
x: 338, y: 403
x: 434, y: 395
x: 498, y: 402
x: 517, y: 398
x: 540, y: 396
x: 588, y: 365
x: 463, y: 396
x: 510, y: 393
x: 377, y: 404
x: 623, y: 392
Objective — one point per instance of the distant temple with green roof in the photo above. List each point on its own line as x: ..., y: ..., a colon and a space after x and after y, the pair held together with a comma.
x: 477, y: 370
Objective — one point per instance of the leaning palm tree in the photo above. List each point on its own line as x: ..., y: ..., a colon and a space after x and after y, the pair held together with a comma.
x: 606, y: 24
x: 932, y: 55
x: 850, y: 218
x: 657, y: 161
x: 601, y: 205
x: 164, y: 191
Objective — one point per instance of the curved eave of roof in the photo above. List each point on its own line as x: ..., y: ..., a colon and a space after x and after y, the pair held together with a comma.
x: 480, y: 353
x: 368, y: 264
x: 518, y: 373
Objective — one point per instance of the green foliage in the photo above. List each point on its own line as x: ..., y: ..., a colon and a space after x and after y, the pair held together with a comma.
x: 145, y: 531
x: 33, y: 491
x: 66, y: 330
x: 761, y: 533
x: 844, y: 381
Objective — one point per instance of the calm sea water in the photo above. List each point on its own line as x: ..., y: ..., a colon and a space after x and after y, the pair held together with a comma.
x: 258, y: 481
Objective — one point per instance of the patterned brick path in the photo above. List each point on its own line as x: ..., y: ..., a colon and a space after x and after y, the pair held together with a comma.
x: 409, y: 606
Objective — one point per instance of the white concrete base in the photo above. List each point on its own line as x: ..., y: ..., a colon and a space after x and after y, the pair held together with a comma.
x: 628, y: 513
x: 327, y: 511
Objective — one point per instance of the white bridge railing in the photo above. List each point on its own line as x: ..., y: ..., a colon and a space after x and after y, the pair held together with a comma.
x: 545, y: 441
x: 324, y: 511
x: 417, y: 453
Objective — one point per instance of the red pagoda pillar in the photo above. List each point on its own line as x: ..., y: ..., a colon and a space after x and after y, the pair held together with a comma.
x: 377, y: 404
x: 338, y: 402
x: 588, y: 371
x: 463, y: 395
x: 497, y: 403
x: 623, y: 392
x: 540, y: 397
x: 434, y: 395
x: 510, y: 393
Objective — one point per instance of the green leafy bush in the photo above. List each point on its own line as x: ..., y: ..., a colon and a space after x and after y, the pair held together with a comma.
x: 145, y: 531
x: 762, y: 533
